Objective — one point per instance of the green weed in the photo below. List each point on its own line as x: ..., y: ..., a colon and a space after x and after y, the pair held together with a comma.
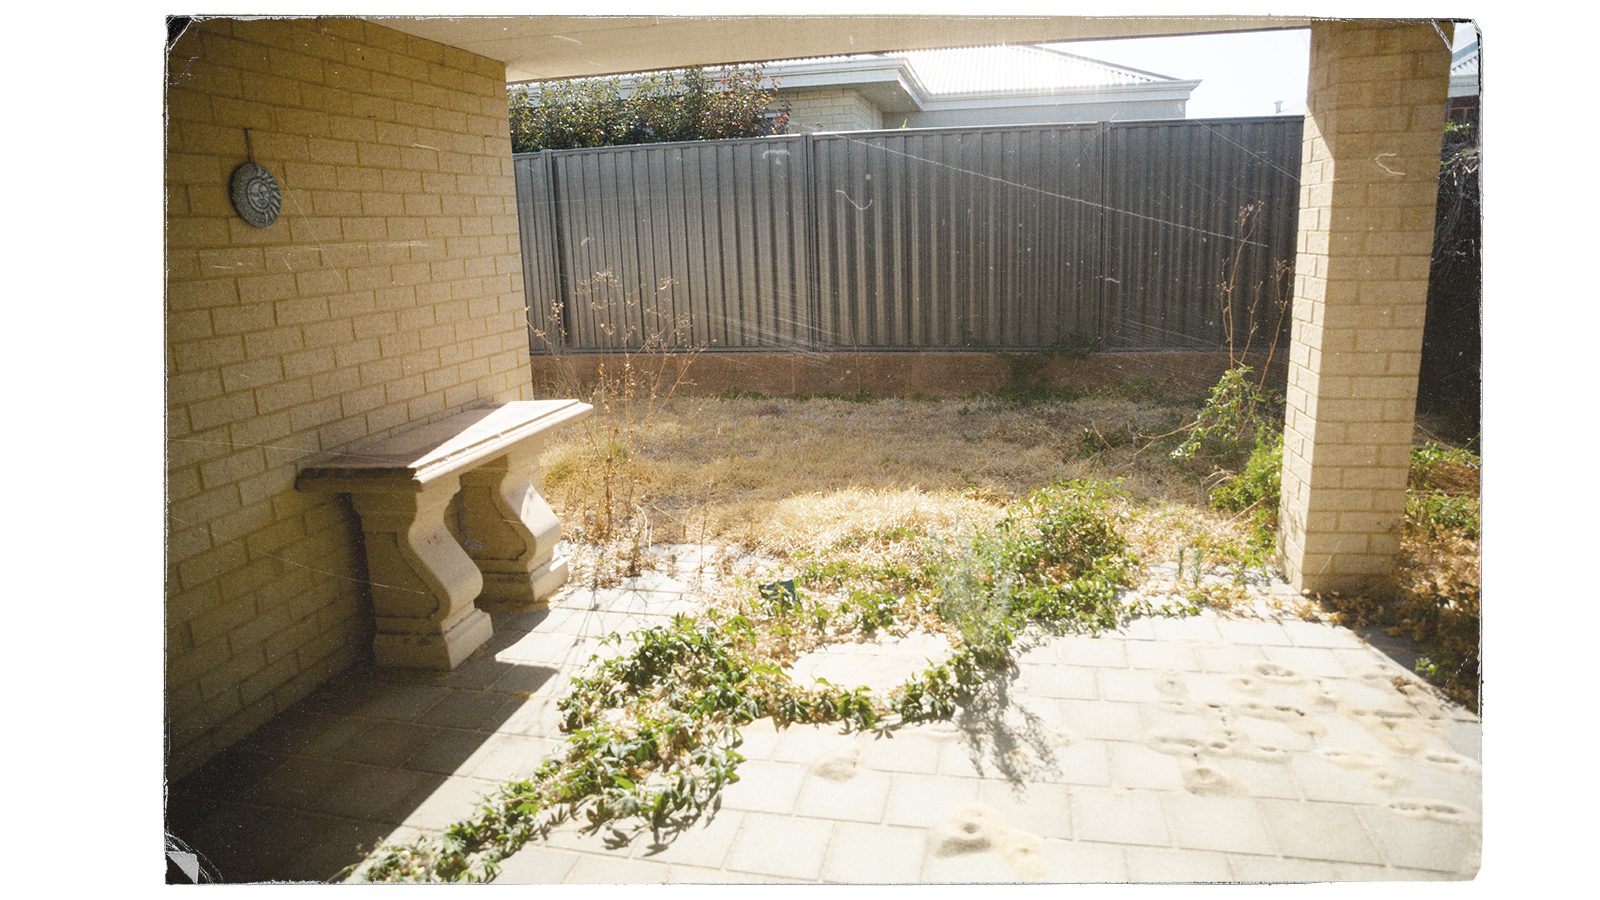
x: 1227, y: 428
x: 1431, y: 513
x: 652, y: 736
x: 1261, y: 481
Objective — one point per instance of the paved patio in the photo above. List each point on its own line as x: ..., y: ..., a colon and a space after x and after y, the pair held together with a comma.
x: 1201, y: 749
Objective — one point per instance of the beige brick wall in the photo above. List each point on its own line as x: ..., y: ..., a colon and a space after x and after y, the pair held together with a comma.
x: 1368, y: 184
x: 831, y: 110
x: 387, y: 294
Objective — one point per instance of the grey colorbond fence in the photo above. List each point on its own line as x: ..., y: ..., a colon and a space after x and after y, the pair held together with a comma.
x: 1015, y: 238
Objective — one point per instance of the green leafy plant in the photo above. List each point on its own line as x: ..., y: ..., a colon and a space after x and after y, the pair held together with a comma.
x: 1227, y: 428
x: 1056, y: 562
x: 652, y: 736
x: 1449, y: 469
x: 1256, y: 490
x: 1441, y: 492
x: 1431, y: 513
x: 1259, y: 485
x: 1239, y: 430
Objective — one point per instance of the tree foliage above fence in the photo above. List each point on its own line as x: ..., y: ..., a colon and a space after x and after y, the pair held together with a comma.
x: 684, y: 105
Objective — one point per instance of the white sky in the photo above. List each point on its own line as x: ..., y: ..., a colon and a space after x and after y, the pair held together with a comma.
x: 1240, y: 74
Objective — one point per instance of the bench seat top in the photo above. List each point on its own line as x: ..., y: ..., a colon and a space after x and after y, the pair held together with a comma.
x: 419, y: 455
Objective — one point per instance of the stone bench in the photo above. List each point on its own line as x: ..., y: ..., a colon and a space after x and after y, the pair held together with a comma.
x: 430, y: 555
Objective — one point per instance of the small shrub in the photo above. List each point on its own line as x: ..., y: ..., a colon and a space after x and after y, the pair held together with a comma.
x: 1431, y: 513
x: 1228, y: 426
x: 1057, y: 562
x: 1091, y: 441
x: 1441, y: 492
x: 1261, y: 482
x: 600, y: 483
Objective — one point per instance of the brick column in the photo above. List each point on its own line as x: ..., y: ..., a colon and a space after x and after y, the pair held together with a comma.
x: 1368, y: 184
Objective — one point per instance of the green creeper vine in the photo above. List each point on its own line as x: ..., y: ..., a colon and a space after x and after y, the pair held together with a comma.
x: 652, y: 735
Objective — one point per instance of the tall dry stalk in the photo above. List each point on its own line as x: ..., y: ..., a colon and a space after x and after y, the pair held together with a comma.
x: 1249, y: 214
x: 1282, y: 283
x: 643, y: 359
x: 1282, y: 295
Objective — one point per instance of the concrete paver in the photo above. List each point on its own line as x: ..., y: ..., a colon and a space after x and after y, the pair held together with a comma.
x: 1084, y: 862
x: 860, y: 798
x: 1175, y: 750
x: 875, y: 854
x: 765, y: 786
x: 920, y: 800
x: 1319, y: 831
x: 1166, y: 866
x: 785, y: 846
x: 537, y: 865
x: 704, y: 844
x: 1120, y: 816
x: 1217, y: 823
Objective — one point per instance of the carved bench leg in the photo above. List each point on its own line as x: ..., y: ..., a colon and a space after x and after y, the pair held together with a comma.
x: 423, y: 583
x: 509, y: 531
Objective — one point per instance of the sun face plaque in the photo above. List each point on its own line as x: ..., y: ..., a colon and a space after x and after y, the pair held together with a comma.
x: 255, y: 195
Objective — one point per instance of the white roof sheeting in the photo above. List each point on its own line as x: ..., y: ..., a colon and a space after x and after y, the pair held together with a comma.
x: 1464, y: 71
x: 1017, y: 69
x: 985, y: 70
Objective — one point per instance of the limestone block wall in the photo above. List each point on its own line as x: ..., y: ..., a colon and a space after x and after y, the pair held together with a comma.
x: 387, y: 294
x: 1368, y: 185
x: 837, y: 109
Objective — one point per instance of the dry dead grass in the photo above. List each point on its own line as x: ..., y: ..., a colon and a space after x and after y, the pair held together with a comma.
x: 875, y: 482
x: 783, y: 477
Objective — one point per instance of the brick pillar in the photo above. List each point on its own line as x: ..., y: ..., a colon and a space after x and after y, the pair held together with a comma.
x: 1368, y: 183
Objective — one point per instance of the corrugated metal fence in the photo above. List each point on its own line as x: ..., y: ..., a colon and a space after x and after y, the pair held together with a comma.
x: 1015, y: 237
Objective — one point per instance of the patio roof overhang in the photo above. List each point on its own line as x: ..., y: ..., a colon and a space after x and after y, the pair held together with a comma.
x: 544, y: 47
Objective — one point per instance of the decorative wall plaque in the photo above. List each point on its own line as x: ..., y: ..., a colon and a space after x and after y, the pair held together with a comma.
x: 255, y: 195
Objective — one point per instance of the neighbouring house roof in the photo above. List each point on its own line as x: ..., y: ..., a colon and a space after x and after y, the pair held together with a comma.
x: 924, y: 80
x: 989, y: 76
x: 1010, y: 69
x: 1464, y: 71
